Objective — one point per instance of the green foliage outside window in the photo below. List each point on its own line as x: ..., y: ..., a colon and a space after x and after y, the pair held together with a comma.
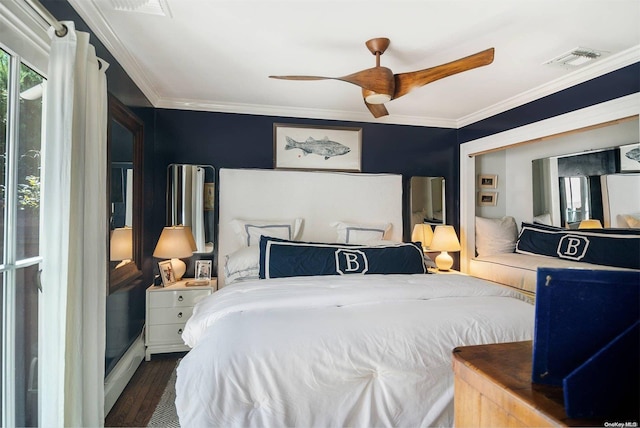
x: 29, y: 132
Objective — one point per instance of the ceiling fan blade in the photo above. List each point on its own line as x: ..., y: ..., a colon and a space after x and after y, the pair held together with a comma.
x: 302, y: 78
x: 405, y: 82
x: 376, y: 79
x: 377, y: 110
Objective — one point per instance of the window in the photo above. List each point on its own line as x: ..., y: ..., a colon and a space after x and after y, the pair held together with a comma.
x: 575, y: 199
x: 20, y: 146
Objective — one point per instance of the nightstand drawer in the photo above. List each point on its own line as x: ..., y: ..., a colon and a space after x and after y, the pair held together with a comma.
x: 177, y: 298
x: 165, y: 334
x: 159, y: 316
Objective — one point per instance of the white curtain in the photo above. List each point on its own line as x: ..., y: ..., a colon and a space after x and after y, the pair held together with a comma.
x: 73, y: 236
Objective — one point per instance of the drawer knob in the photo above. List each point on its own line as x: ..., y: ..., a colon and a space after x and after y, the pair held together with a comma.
x: 180, y: 331
x: 179, y: 314
x: 180, y: 299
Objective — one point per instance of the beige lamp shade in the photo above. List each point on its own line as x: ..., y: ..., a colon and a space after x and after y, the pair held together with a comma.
x: 175, y: 243
x: 422, y: 233
x: 121, y: 245
x: 192, y: 240
x: 590, y: 224
x: 445, y: 240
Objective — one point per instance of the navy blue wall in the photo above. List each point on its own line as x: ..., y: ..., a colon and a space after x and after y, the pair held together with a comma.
x: 227, y: 140
x: 616, y: 84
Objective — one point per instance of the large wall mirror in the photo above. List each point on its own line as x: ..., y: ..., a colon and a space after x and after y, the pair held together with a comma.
x: 427, y: 200
x: 125, y: 154
x: 588, y: 186
x: 191, y: 202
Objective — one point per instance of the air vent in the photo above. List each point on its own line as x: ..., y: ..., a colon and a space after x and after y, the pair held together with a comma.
x: 150, y: 7
x: 576, y: 57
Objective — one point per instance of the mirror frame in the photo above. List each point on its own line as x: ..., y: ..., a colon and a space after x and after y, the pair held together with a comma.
x: 444, y: 200
x: 119, y: 113
x: 171, y: 202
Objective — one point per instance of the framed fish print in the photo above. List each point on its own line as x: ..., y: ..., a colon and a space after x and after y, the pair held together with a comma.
x: 317, y: 147
x: 630, y: 158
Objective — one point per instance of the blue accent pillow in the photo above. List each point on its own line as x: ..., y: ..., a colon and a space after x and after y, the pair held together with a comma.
x: 609, y: 247
x: 281, y: 258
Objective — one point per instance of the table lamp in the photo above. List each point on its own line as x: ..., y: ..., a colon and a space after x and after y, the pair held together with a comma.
x: 174, y: 243
x: 590, y: 224
x: 445, y: 240
x: 121, y: 246
x: 422, y: 233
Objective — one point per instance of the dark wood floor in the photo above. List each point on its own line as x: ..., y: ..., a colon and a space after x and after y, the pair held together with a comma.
x: 141, y: 396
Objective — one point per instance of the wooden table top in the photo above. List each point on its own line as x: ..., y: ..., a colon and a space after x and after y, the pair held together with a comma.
x: 509, y: 365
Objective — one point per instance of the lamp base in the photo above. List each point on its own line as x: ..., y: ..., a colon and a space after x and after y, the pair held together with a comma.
x: 444, y: 261
x: 179, y: 268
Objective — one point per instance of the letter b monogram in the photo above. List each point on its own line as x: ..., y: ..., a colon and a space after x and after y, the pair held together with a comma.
x: 351, y: 261
x: 573, y: 247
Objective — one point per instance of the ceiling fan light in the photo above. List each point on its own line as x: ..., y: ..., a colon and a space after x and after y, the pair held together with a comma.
x: 375, y: 98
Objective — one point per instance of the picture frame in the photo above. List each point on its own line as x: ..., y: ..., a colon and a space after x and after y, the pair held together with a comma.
x: 304, y: 147
x: 487, y: 199
x: 487, y: 181
x: 203, y: 270
x: 166, y: 273
x: 630, y: 158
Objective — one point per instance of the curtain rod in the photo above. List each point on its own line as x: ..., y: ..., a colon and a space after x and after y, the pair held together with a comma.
x: 61, y: 29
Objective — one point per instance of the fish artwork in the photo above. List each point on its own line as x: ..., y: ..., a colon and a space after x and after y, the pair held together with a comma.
x: 324, y: 147
x: 633, y: 154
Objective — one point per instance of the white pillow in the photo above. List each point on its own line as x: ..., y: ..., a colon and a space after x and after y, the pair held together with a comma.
x: 242, y: 264
x: 543, y: 219
x: 250, y: 231
x: 496, y: 235
x: 358, y: 233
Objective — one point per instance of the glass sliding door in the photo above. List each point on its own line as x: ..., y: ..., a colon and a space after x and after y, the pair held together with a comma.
x: 21, y: 91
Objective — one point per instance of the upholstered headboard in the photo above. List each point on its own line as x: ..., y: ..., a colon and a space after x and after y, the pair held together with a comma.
x: 319, y: 198
x: 620, y: 198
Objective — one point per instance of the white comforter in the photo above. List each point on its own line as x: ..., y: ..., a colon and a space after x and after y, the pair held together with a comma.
x: 353, y: 350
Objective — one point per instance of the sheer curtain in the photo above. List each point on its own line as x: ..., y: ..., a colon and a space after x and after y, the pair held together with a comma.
x: 74, y: 231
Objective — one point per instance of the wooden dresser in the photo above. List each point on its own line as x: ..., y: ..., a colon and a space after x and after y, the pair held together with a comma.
x: 493, y: 388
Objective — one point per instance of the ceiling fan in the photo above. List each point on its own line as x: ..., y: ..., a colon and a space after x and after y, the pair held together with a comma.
x: 379, y: 84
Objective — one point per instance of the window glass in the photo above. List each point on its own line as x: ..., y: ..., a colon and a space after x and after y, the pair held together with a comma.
x: 26, y: 349
x: 20, y: 146
x: 4, y: 92
x: 28, y: 168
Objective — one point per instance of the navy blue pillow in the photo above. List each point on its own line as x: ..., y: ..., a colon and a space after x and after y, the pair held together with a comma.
x: 280, y: 258
x: 609, y: 247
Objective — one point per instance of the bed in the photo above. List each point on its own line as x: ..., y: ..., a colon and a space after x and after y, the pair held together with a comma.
x: 308, y: 347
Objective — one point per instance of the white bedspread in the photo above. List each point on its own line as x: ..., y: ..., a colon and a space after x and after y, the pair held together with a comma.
x: 353, y: 350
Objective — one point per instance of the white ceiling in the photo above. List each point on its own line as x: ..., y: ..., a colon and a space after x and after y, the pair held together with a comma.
x: 217, y: 55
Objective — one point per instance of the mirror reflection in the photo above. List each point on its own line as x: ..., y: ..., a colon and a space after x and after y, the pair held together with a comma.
x: 569, y: 190
x: 125, y: 148
x: 427, y: 200
x: 191, y: 202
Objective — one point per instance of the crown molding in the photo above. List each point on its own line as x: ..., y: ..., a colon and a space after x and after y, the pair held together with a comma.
x: 304, y: 113
x: 598, y: 68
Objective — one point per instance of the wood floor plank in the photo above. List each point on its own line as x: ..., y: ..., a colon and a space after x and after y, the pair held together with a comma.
x: 138, y: 401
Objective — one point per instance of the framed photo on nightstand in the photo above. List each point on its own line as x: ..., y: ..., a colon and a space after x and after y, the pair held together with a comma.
x: 166, y: 272
x: 203, y: 270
